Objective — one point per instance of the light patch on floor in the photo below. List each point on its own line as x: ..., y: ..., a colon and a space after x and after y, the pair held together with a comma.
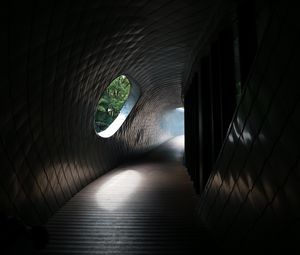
x: 114, y: 192
x: 144, y: 207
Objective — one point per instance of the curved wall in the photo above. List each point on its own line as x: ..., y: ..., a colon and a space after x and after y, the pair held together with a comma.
x: 59, y: 56
x: 251, y: 201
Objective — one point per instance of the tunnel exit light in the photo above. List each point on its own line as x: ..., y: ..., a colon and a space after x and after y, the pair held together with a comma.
x: 180, y: 109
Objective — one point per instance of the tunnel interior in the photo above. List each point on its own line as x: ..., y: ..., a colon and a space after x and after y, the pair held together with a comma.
x: 217, y: 78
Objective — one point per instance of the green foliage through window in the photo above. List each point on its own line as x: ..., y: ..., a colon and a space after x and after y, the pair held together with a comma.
x: 111, y: 102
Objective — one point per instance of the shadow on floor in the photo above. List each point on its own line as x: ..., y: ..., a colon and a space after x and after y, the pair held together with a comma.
x: 145, y: 207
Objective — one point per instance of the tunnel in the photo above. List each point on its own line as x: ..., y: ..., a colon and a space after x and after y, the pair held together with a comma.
x: 206, y: 156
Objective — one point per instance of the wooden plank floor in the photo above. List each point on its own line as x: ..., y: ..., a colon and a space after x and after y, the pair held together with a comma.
x: 146, y: 207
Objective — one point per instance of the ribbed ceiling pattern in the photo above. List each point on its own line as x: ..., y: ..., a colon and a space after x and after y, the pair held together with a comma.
x: 59, y: 57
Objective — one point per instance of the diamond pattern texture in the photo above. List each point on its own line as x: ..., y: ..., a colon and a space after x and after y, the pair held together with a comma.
x: 252, y: 197
x: 58, y: 57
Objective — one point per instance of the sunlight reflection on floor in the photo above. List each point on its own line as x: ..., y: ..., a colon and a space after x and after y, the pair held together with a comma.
x: 117, y: 190
x: 177, y: 143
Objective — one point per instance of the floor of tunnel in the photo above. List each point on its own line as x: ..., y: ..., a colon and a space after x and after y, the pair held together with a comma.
x: 146, y: 207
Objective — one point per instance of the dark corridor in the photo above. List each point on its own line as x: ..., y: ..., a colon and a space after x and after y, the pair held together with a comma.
x: 231, y: 68
x: 144, y: 207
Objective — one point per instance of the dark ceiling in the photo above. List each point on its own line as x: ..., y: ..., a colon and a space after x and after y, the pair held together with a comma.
x: 59, y: 57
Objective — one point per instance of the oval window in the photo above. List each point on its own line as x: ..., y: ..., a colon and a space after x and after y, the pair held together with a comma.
x: 114, y: 106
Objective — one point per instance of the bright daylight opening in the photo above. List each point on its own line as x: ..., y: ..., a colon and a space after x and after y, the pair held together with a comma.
x: 180, y: 109
x: 114, y: 193
x: 172, y: 122
x: 115, y: 105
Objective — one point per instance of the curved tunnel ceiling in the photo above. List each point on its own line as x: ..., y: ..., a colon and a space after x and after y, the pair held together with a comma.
x: 60, y: 57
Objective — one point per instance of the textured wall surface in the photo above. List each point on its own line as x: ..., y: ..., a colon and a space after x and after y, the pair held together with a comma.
x: 253, y: 194
x: 58, y: 57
